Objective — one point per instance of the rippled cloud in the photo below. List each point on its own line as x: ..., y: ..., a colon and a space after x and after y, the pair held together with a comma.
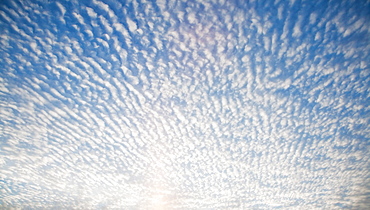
x: 184, y: 104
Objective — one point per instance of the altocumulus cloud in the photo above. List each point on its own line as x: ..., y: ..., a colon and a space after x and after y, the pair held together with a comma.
x: 184, y: 104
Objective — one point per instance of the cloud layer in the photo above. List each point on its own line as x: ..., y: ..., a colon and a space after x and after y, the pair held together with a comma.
x: 184, y: 104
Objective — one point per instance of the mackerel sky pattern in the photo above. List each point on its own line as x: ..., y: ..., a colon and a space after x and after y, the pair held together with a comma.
x: 155, y: 104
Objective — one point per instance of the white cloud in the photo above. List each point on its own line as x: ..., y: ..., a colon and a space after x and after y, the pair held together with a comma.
x: 297, y: 29
x: 131, y: 25
x: 280, y: 12
x: 92, y: 14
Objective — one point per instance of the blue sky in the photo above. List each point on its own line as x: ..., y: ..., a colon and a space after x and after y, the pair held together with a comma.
x: 184, y: 104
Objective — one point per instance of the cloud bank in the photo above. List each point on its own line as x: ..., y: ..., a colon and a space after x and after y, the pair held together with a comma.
x: 184, y: 104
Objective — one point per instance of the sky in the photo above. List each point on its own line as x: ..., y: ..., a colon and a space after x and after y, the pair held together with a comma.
x: 193, y: 104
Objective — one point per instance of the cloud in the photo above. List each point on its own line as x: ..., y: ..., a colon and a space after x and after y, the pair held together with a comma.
x: 193, y: 105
